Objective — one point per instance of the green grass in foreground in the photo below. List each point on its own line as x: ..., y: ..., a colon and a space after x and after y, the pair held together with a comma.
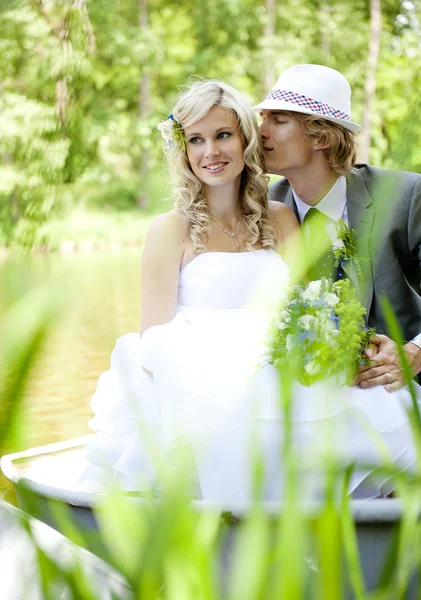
x: 174, y: 550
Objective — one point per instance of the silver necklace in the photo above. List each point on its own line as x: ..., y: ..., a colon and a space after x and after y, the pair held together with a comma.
x: 231, y: 234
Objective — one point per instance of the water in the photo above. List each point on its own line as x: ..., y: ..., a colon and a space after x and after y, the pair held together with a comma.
x: 102, y: 302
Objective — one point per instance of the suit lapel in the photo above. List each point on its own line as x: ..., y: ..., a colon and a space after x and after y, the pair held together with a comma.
x: 289, y: 201
x: 360, y: 218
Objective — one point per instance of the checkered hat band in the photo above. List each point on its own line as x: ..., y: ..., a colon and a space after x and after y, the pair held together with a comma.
x: 308, y: 103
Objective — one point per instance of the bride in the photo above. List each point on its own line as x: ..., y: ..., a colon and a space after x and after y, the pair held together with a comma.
x: 211, y: 268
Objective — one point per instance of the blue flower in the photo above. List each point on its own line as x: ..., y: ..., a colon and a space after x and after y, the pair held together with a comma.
x: 320, y: 302
x: 307, y: 334
x: 335, y: 318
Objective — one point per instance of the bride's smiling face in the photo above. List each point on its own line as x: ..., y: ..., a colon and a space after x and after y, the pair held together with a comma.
x: 215, y: 147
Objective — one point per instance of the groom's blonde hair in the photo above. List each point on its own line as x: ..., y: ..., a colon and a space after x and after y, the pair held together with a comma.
x: 193, y: 104
x: 341, y: 152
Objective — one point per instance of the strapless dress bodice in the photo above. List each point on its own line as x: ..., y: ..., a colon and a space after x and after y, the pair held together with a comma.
x: 230, y: 280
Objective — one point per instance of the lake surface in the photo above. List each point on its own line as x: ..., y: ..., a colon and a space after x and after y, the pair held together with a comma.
x: 101, y: 294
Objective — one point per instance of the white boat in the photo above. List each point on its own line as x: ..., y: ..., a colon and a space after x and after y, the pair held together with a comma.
x: 20, y: 568
x: 45, y: 475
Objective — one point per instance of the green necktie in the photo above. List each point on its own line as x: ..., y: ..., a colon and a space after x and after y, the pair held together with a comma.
x: 319, y: 246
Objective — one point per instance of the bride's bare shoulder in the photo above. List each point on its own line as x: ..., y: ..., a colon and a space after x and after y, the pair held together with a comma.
x: 283, y: 217
x: 280, y: 210
x: 174, y: 225
x: 167, y: 239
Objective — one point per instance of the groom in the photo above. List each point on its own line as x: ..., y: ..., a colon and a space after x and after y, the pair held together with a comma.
x: 309, y: 139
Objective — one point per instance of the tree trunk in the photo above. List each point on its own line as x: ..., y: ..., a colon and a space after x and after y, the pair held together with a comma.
x: 60, y: 30
x: 143, y: 110
x: 325, y: 16
x: 370, y: 80
x: 88, y: 30
x: 268, y: 36
x: 62, y: 100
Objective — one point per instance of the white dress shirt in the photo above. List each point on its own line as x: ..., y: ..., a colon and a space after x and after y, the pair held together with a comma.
x: 333, y: 205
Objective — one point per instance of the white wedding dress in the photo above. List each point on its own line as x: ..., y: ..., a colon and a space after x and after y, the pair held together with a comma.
x: 196, y: 381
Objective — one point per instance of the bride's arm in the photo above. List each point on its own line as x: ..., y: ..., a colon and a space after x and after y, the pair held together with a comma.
x: 162, y: 256
x: 289, y: 239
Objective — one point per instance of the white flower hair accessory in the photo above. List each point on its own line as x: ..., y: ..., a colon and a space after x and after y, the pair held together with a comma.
x: 172, y: 130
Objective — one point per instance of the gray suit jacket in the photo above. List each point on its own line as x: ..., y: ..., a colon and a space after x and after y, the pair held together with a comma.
x: 385, y: 209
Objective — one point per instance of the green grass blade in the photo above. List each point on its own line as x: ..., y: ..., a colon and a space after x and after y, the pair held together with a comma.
x: 396, y: 335
x: 350, y: 542
x: 23, y: 330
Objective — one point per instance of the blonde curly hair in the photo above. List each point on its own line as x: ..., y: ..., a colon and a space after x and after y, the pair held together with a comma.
x: 192, y: 105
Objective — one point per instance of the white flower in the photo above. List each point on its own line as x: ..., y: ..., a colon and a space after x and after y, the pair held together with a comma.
x: 315, y: 286
x: 331, y: 299
x: 307, y: 295
x: 167, y: 129
x: 289, y: 342
x: 338, y: 244
x: 283, y: 319
x: 312, y: 368
x: 281, y: 325
x: 312, y: 291
x: 326, y: 325
x: 307, y: 321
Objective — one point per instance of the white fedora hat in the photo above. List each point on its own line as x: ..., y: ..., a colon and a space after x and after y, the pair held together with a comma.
x: 313, y: 90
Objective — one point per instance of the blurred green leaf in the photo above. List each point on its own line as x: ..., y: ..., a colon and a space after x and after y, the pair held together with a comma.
x: 23, y: 330
x: 396, y: 335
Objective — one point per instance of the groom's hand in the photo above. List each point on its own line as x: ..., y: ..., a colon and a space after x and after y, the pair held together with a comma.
x: 385, y: 368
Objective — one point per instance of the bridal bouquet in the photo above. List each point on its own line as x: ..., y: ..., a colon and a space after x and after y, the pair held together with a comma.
x: 319, y: 332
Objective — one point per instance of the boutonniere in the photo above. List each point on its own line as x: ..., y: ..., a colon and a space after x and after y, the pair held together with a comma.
x: 345, y: 246
x: 172, y: 130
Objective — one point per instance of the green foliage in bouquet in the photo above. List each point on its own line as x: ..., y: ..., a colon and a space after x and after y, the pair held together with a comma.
x: 345, y: 247
x: 320, y: 332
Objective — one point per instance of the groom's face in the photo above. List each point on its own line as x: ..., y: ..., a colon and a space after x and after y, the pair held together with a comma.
x: 287, y: 148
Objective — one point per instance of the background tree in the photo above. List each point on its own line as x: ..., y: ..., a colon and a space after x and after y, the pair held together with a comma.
x: 83, y: 85
x: 370, y: 78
